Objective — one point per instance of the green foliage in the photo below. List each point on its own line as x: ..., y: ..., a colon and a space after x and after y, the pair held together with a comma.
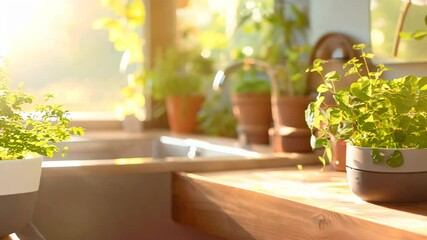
x: 286, y: 44
x: 24, y: 132
x: 125, y: 32
x: 179, y: 74
x: 216, y: 117
x: 281, y: 40
x: 252, y: 86
x: 250, y: 80
x: 372, y: 112
x: 124, y: 29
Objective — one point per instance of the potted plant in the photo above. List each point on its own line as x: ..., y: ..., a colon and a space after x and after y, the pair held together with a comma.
x: 384, y: 123
x: 26, y: 136
x: 180, y: 78
x: 337, y: 49
x: 286, y: 49
x: 251, y: 104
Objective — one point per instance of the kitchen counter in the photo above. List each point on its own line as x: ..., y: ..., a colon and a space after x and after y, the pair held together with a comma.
x: 288, y: 203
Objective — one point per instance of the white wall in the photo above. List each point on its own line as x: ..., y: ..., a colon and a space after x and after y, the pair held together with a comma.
x: 352, y: 17
x: 345, y: 16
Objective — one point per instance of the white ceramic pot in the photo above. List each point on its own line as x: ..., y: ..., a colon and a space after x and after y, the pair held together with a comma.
x: 382, y: 183
x: 19, y: 184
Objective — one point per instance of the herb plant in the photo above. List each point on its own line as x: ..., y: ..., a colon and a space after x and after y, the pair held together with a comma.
x: 23, y: 132
x: 252, y: 86
x: 373, y: 112
x: 178, y: 73
x: 251, y: 81
x: 216, y: 116
x: 279, y: 37
x: 286, y: 47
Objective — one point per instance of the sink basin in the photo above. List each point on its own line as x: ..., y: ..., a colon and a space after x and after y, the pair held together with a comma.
x: 113, y: 185
x: 156, y: 146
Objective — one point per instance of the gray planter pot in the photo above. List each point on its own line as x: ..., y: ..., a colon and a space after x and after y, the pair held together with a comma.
x: 381, y: 183
x: 19, y: 183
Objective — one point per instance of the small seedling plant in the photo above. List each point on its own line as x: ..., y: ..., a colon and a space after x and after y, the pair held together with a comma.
x: 373, y: 112
x: 24, y: 132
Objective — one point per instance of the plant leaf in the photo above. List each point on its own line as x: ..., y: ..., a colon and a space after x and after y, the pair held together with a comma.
x: 377, y: 156
x: 399, y: 136
x: 359, y: 46
x: 367, y: 55
x: 332, y: 76
x: 419, y: 35
x: 322, y: 88
x: 405, y: 35
x: 396, y: 159
x: 358, y: 90
x: 322, y: 160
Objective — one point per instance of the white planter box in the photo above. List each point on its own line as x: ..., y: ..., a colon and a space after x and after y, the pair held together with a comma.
x: 19, y: 183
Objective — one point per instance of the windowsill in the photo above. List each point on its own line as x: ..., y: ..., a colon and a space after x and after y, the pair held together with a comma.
x: 93, y: 116
x: 95, y: 121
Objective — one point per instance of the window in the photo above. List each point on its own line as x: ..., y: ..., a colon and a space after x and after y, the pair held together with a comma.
x: 386, y: 18
x: 51, y: 48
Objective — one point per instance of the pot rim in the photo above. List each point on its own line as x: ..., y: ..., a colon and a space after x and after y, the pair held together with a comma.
x: 415, y: 160
x: 385, y: 149
x: 20, y: 175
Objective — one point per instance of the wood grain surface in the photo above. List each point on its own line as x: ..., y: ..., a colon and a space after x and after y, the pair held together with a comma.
x: 288, y: 203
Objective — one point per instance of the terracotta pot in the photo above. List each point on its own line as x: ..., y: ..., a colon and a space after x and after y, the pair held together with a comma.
x: 253, y: 113
x: 378, y: 182
x: 290, y: 111
x: 182, y: 113
x: 181, y: 3
x: 286, y: 139
x: 338, y: 154
x: 290, y: 133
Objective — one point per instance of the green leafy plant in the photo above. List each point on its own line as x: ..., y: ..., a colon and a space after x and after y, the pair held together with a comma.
x: 250, y: 80
x: 280, y: 40
x: 25, y: 131
x: 216, y: 117
x: 125, y: 32
x: 179, y: 74
x: 286, y: 47
x: 373, y: 112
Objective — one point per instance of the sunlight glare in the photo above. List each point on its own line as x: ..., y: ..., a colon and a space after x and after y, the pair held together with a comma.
x: 15, y: 15
x: 25, y: 24
x: 248, y: 51
x: 377, y: 37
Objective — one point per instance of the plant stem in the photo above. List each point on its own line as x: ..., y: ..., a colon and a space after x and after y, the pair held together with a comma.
x: 366, y: 65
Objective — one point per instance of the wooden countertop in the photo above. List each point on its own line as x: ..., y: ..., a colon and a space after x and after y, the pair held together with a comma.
x: 288, y: 203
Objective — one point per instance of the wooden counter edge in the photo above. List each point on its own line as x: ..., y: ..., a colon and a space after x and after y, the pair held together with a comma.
x: 235, y: 213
